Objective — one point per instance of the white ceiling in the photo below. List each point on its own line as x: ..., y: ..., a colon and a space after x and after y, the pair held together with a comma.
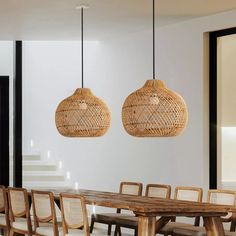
x: 59, y: 20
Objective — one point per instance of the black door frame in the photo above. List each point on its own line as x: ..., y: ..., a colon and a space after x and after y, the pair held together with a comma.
x: 213, y: 36
x: 4, y: 128
x: 17, y: 120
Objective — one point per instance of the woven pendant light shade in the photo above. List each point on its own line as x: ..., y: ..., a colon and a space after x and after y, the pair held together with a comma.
x: 154, y: 111
x: 82, y: 115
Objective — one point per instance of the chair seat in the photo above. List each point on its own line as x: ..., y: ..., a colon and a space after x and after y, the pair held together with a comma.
x: 2, y: 220
x: 126, y: 221
x: 21, y: 224
x: 47, y: 229
x: 75, y: 232
x: 169, y: 227
x: 196, y: 231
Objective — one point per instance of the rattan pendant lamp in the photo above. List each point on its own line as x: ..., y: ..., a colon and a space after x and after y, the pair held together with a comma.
x: 154, y: 110
x: 82, y: 114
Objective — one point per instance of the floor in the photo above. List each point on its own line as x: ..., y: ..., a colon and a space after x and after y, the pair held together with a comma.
x: 101, y: 231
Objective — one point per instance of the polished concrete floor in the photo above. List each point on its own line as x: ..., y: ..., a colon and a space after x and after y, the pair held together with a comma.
x: 102, y: 231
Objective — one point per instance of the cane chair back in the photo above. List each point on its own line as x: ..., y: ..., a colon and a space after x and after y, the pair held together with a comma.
x: 4, y: 211
x: 192, y: 194
x: 19, y: 211
x: 222, y: 197
x: 74, y: 214
x: 130, y: 188
x: 2, y: 199
x: 158, y: 190
x: 188, y: 194
x: 44, y: 213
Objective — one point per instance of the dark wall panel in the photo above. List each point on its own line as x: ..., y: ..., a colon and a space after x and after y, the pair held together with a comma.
x: 4, y: 130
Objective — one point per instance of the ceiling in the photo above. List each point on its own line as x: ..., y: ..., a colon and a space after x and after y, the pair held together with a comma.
x: 59, y: 19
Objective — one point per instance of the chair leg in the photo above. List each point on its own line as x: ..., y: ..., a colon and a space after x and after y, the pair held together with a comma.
x: 119, y: 230
x: 11, y: 233
x: 109, y: 229
x: 116, y: 231
x: 91, y: 225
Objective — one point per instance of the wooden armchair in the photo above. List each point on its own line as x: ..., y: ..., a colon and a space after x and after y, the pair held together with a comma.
x: 224, y: 197
x: 131, y: 188
x: 131, y: 222
x: 19, y: 212
x: 4, y: 211
x: 186, y: 194
x: 44, y: 212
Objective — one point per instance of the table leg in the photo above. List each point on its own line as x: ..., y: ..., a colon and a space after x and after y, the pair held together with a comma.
x: 146, y: 225
x: 214, y: 226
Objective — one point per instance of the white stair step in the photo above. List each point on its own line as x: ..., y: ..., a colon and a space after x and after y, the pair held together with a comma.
x: 42, y: 173
x: 40, y: 178
x: 29, y: 157
x: 45, y: 185
x: 39, y: 166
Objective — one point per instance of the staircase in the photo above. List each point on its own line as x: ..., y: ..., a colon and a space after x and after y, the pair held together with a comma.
x: 43, y: 174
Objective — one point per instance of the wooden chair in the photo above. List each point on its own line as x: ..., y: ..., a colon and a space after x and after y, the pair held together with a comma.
x: 74, y: 215
x: 19, y: 212
x: 131, y: 222
x: 186, y: 194
x: 131, y: 188
x: 224, y: 197
x: 44, y: 213
x: 4, y: 211
x: 158, y: 190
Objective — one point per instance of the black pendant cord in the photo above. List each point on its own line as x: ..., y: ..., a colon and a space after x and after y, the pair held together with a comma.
x: 82, y: 46
x: 154, y: 46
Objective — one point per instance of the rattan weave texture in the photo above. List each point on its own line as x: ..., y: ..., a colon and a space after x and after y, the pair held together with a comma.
x: 82, y: 115
x: 154, y: 111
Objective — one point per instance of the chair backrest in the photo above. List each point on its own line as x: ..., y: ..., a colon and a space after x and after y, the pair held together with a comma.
x: 4, y: 204
x: 131, y: 188
x: 192, y: 194
x: 74, y: 213
x: 19, y: 205
x: 3, y: 199
x: 44, y: 209
x: 222, y: 197
x: 158, y: 190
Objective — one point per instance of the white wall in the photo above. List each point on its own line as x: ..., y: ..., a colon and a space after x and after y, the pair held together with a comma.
x: 115, y: 68
x: 6, y: 68
x: 51, y: 73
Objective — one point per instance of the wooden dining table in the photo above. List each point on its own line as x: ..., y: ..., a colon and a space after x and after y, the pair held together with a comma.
x: 147, y: 209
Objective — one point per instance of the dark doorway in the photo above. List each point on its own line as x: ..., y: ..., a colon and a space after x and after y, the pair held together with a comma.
x: 4, y: 130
